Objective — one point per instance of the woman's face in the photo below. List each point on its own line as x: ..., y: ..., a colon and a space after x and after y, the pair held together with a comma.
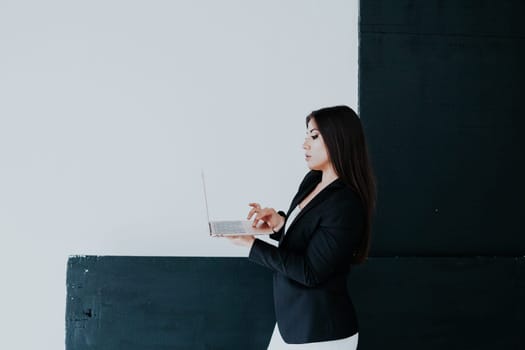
x: 316, y: 154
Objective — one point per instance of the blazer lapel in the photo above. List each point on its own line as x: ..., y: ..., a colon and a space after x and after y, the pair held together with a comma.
x: 319, y: 198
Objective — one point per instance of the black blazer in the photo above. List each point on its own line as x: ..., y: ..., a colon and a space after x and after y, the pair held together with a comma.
x: 312, y: 262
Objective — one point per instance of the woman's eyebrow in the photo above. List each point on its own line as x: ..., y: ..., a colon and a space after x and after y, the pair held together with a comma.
x: 313, y: 130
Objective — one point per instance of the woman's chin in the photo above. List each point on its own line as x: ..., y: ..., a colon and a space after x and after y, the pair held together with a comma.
x: 311, y: 167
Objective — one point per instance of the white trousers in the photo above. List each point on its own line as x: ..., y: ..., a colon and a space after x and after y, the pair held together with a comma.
x: 277, y: 343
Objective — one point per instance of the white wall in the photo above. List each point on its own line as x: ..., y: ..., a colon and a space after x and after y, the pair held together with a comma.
x: 109, y: 110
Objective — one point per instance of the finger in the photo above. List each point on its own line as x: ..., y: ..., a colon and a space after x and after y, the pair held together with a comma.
x: 250, y: 214
x: 255, y: 207
x: 260, y: 217
x: 263, y: 214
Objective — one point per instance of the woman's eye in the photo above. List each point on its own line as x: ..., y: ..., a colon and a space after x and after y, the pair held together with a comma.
x: 314, y: 137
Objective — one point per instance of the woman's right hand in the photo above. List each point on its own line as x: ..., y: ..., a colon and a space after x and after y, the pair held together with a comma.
x: 267, y: 215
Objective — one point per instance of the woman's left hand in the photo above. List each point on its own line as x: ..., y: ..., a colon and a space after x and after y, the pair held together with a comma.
x: 245, y: 241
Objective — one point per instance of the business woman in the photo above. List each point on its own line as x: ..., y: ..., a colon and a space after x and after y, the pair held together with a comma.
x: 324, y: 232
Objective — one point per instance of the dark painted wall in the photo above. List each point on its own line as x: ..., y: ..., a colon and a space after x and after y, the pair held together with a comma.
x: 441, y: 95
x: 141, y: 303
x: 441, y: 99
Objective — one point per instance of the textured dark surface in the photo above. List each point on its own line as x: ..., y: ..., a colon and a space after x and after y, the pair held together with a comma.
x: 167, y: 303
x: 441, y: 99
x: 440, y: 303
x: 226, y: 303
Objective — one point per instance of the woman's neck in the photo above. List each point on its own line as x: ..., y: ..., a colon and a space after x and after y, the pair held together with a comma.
x: 329, y: 176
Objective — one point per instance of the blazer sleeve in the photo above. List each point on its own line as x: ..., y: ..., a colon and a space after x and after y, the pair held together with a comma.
x: 330, y: 249
x: 277, y: 235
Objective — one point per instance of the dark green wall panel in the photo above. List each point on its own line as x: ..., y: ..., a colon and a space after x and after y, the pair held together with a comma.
x: 444, y: 17
x: 167, y: 303
x: 441, y: 98
x: 441, y: 303
x: 226, y: 303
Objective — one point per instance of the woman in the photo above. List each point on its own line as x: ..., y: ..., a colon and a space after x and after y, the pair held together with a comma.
x: 325, y: 231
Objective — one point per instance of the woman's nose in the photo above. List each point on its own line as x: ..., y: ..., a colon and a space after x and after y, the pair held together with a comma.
x: 305, y: 144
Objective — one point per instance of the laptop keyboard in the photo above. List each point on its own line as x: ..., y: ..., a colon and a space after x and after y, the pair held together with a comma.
x: 229, y: 227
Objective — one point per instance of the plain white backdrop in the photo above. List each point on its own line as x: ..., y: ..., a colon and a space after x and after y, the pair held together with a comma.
x: 110, y: 109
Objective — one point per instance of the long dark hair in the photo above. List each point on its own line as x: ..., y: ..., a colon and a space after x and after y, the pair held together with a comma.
x: 345, y: 141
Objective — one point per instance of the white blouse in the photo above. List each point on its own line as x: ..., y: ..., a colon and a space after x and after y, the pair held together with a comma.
x: 291, y: 218
x: 349, y: 343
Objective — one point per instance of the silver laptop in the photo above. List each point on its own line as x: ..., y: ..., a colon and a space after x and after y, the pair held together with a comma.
x: 233, y: 228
